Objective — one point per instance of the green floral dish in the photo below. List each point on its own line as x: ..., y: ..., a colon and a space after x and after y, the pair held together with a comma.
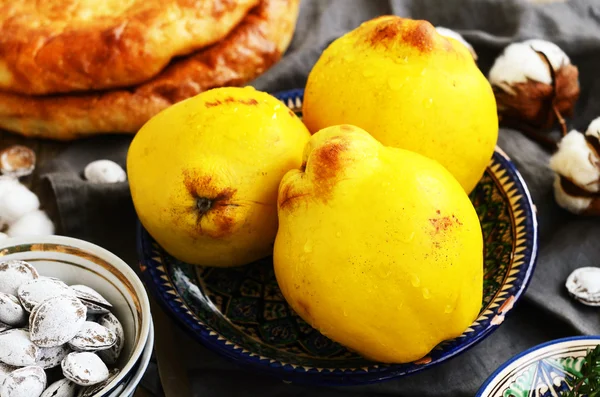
x: 542, y: 371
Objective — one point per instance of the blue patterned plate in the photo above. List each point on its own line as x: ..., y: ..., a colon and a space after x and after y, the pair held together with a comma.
x: 241, y: 314
x: 541, y: 371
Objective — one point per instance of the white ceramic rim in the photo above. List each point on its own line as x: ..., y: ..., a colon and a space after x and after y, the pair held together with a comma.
x: 134, y: 382
x: 120, y: 265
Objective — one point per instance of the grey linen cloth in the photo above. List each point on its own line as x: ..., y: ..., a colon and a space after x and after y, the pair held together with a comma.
x: 105, y: 215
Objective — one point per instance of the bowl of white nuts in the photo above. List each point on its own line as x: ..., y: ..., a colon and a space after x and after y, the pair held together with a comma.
x: 74, y: 319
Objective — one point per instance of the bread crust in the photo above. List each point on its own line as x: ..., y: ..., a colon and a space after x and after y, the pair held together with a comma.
x: 60, y: 46
x: 250, y: 49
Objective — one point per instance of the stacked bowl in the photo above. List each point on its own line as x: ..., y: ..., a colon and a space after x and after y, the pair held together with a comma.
x: 75, y: 261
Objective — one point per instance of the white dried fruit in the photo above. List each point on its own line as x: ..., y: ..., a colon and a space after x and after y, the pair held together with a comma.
x: 56, y: 320
x: 93, y: 390
x: 583, y: 284
x: 35, y: 291
x: 110, y: 356
x: 24, y: 382
x: 34, y: 223
x: 93, y: 308
x: 58, y: 325
x: 93, y: 337
x: 104, y: 171
x: 84, y: 368
x: 458, y: 37
x: 14, y: 273
x: 11, y: 311
x: 17, y: 201
x: 17, y: 161
x: 50, y: 357
x: 5, y: 369
x: 95, y: 303
x: 17, y: 349
x: 90, y: 294
x: 61, y: 388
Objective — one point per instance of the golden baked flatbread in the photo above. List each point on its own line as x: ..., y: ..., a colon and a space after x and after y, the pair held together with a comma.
x: 252, y: 47
x: 57, y: 46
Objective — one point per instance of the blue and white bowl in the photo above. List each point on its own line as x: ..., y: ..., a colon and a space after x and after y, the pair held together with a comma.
x: 241, y: 314
x: 541, y: 371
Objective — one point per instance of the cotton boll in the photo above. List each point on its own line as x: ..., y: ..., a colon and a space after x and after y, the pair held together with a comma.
x: 518, y: 63
x: 576, y: 205
x: 535, y: 86
x: 3, y: 236
x: 555, y: 55
x: 104, y: 171
x: 576, y: 161
x: 6, y: 184
x: 577, y: 168
x: 594, y: 128
x: 458, y: 37
x: 522, y: 61
x: 15, y: 201
x: 35, y: 223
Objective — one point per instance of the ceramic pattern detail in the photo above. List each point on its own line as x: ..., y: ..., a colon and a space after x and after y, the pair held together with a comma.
x: 541, y: 371
x: 544, y: 378
x: 521, y: 386
x: 241, y: 313
x: 494, y: 217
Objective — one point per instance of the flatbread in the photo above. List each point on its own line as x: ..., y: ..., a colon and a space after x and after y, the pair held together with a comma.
x: 253, y: 46
x: 60, y: 46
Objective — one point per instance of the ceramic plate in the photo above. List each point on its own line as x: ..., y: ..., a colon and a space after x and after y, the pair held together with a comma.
x: 541, y: 371
x: 240, y: 312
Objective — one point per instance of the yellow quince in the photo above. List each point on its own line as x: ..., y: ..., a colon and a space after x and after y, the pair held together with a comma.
x: 379, y: 248
x: 411, y: 88
x: 204, y: 174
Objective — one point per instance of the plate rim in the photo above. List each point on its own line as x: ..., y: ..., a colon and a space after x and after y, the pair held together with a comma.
x: 332, y: 376
x: 523, y: 354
